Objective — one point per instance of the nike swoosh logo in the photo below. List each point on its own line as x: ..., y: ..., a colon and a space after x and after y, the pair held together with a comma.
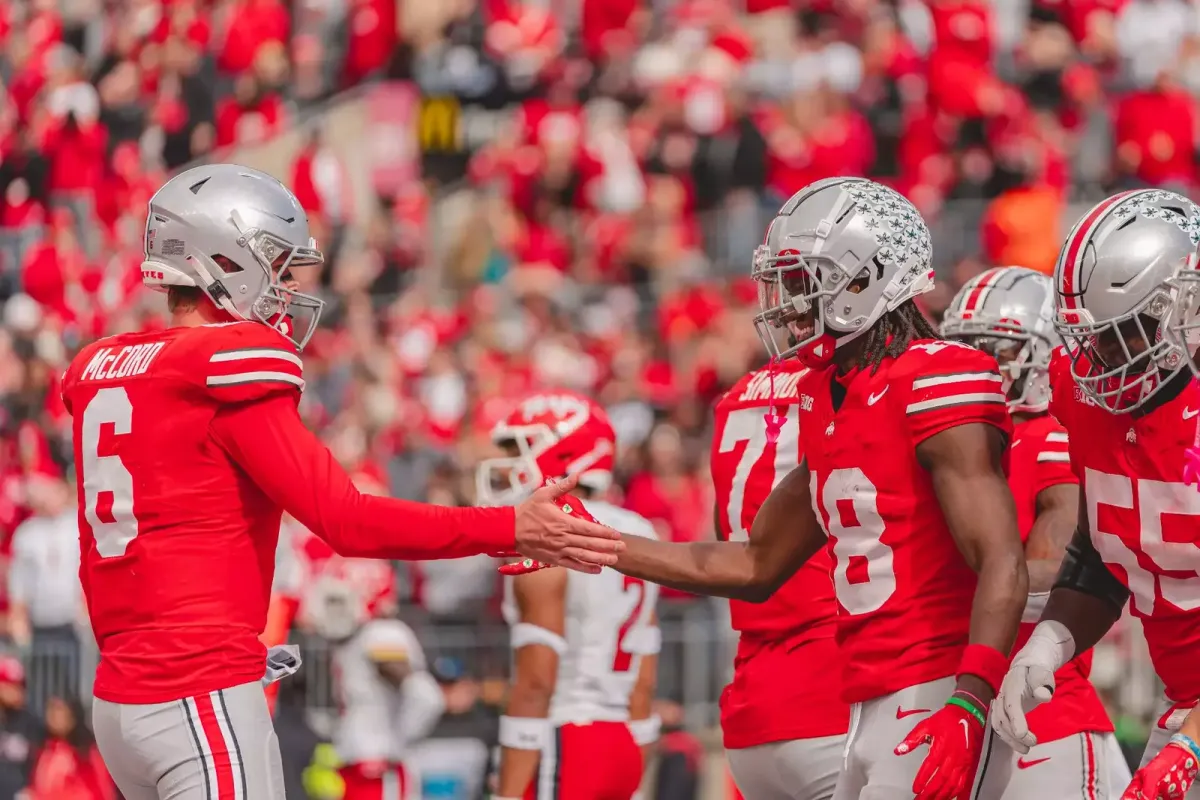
x: 874, y: 398
x: 901, y: 713
x: 1023, y: 764
x: 1189, y: 413
x: 966, y: 730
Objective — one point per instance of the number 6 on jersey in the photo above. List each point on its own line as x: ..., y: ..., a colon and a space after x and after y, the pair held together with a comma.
x: 107, y: 484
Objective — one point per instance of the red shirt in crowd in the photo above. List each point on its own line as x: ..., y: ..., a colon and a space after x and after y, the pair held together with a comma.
x: 1156, y: 129
x: 250, y: 25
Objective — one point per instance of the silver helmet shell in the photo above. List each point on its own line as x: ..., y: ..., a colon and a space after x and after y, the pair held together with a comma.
x: 828, y: 236
x: 1003, y: 307
x: 234, y: 233
x: 1114, y: 294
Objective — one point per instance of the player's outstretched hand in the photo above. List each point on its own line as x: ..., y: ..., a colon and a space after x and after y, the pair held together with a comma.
x: 1168, y: 776
x: 555, y: 530
x: 955, y: 739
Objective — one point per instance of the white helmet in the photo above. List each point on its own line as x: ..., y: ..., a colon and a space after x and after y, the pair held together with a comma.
x: 1115, y: 285
x: 847, y: 249
x: 1003, y: 307
x: 234, y: 233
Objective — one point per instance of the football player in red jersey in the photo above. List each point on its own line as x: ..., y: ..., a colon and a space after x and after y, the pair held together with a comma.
x: 1122, y: 389
x: 786, y: 655
x: 1009, y: 312
x: 188, y: 447
x: 904, y: 436
x: 585, y: 646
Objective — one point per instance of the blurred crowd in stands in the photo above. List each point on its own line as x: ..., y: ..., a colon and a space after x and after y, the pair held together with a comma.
x: 563, y: 192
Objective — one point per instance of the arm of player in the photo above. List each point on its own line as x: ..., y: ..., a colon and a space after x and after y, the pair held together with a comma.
x: 1085, y: 602
x: 785, y: 534
x: 268, y: 440
x: 965, y: 464
x: 1087, y: 599
x: 1052, y: 530
x: 537, y: 640
x: 421, y: 707
x: 644, y: 724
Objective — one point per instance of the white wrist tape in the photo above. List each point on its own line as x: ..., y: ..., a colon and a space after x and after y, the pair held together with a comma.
x: 525, y: 633
x: 524, y: 733
x: 1035, y: 604
x: 646, y: 731
x: 1051, y: 644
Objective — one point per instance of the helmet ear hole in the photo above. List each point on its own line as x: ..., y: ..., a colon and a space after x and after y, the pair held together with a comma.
x: 227, y: 264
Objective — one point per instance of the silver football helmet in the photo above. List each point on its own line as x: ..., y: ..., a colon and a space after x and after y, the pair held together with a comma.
x: 1003, y: 310
x: 1114, y: 289
x: 841, y: 253
x: 235, y: 233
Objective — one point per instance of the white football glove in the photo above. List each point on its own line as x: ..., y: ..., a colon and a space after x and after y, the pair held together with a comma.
x: 1030, y: 682
x: 282, y: 660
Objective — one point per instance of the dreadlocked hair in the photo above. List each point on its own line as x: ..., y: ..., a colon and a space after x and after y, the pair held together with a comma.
x: 893, y: 333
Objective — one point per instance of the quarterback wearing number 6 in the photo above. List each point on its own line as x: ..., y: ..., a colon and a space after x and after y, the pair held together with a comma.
x: 188, y: 448
x: 903, y: 438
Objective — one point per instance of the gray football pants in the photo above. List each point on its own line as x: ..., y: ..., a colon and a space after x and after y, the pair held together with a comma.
x: 215, y: 746
x: 800, y: 769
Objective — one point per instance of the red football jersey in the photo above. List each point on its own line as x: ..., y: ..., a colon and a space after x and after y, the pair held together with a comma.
x: 799, y: 620
x: 1037, y: 460
x: 1143, y: 518
x: 903, y: 589
x: 187, y: 446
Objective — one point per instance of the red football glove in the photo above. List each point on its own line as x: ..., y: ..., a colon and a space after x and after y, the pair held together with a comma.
x: 570, y: 505
x: 955, y: 740
x: 1168, y: 776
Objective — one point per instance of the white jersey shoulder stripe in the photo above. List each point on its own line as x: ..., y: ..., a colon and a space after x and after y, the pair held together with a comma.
x: 1058, y: 437
x: 955, y: 400
x: 256, y: 352
x: 239, y: 378
x: 1053, y: 455
x: 956, y: 377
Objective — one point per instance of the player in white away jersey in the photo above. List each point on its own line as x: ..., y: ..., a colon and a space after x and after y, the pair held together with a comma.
x: 386, y: 699
x: 585, y: 651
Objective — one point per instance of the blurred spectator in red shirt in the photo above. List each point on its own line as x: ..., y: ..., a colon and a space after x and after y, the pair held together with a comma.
x: 253, y: 114
x: 247, y: 26
x: 68, y: 765
x: 1155, y: 135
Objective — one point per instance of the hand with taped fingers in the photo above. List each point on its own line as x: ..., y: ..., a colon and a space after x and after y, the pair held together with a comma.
x: 555, y: 530
x: 955, y: 739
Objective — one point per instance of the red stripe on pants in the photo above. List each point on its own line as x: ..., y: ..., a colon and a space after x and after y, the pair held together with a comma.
x: 218, y: 753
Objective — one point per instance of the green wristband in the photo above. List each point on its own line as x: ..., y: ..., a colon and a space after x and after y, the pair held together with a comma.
x: 968, y: 706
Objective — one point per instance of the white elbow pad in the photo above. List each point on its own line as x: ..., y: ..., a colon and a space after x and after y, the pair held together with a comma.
x: 524, y: 733
x: 643, y: 641
x: 646, y: 731
x: 1035, y: 604
x: 524, y: 633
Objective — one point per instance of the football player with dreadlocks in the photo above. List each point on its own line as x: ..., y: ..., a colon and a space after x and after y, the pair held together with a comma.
x: 904, y: 437
x: 1009, y: 312
x: 1121, y: 387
